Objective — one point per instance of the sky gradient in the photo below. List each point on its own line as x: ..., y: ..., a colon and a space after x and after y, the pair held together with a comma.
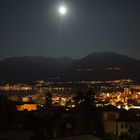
x: 35, y: 28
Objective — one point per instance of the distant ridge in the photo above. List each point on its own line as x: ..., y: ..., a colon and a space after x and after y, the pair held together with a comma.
x: 104, y: 66
x: 95, y: 66
x: 32, y: 68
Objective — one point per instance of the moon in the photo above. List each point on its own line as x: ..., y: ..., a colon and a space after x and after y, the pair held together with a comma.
x: 62, y: 10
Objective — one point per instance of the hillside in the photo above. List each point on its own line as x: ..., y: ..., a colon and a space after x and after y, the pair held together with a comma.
x: 103, y: 66
x: 96, y: 66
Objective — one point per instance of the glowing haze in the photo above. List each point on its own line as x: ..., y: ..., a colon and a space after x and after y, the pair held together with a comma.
x: 62, y: 10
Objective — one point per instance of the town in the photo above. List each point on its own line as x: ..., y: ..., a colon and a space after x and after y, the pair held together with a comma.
x: 106, y: 104
x: 122, y: 93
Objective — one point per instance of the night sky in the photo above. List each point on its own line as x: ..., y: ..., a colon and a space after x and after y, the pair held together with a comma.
x: 35, y: 28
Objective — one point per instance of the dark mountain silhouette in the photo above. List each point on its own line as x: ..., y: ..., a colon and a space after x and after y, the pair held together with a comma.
x: 103, y: 66
x: 96, y: 66
x: 32, y: 68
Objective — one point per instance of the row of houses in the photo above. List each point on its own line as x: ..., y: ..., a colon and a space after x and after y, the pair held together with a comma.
x: 119, y: 121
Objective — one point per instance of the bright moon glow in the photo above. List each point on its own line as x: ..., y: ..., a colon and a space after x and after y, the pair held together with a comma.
x: 62, y: 10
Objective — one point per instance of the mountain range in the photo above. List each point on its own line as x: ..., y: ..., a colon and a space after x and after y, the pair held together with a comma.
x: 95, y: 66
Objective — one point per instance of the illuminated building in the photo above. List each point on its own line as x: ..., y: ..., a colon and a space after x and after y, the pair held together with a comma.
x: 18, y: 87
x: 127, y: 91
x: 136, y: 87
x: 25, y: 99
x: 27, y: 106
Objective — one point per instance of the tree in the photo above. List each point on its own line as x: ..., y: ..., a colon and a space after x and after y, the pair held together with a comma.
x: 78, y: 98
x: 48, y: 100
x: 40, y: 100
x: 14, y: 98
x: 6, y: 105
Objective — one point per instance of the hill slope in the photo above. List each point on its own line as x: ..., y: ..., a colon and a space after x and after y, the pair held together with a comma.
x: 103, y: 66
x: 96, y: 66
x: 32, y: 68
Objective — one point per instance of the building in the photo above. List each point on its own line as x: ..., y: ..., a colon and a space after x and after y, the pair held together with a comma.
x: 125, y: 124
x: 26, y: 106
x: 110, y: 116
x: 119, y: 122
